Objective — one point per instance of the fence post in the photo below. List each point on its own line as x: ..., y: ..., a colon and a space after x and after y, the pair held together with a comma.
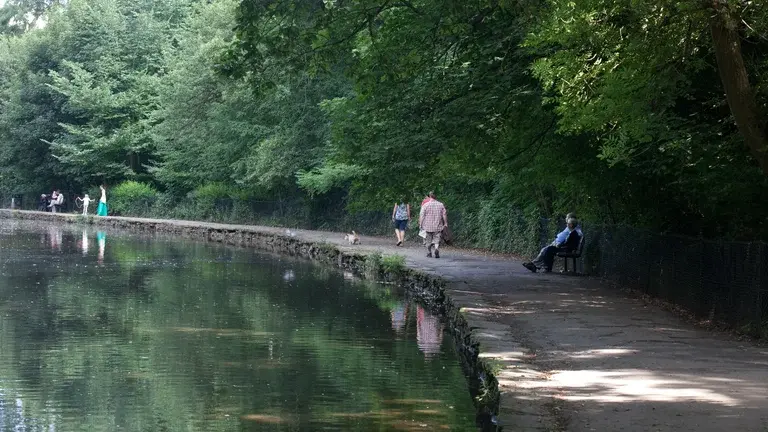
x: 759, y: 314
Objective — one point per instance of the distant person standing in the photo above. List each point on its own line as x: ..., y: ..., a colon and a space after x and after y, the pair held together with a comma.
x: 101, y: 210
x: 43, y: 205
x: 432, y: 219
x: 85, y: 200
x: 401, y: 215
x: 59, y: 201
x: 54, y: 200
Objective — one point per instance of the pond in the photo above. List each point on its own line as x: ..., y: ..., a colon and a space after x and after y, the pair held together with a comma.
x: 105, y: 331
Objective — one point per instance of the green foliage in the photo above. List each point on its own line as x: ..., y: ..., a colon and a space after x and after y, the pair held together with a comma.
x: 393, y: 264
x: 622, y: 114
x: 210, y: 198
x: 637, y: 79
x: 324, y: 179
x: 131, y: 198
x: 110, y: 82
x: 212, y: 191
x: 372, y: 266
x: 18, y: 16
x: 510, y: 111
x: 500, y: 227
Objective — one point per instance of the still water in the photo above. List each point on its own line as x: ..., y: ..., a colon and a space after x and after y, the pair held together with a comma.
x: 109, y: 332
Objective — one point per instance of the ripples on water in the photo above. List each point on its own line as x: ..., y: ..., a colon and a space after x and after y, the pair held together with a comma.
x: 102, y: 332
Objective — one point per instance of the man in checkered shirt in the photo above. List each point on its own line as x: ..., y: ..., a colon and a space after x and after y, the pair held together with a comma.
x: 432, y: 219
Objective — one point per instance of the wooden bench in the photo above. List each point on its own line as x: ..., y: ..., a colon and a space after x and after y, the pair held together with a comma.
x: 573, y: 255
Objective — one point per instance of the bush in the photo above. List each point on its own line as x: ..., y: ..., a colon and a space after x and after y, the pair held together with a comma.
x: 168, y: 206
x: 130, y: 198
x: 498, y: 226
x: 213, y: 201
x: 372, y: 266
x: 394, y: 264
x: 213, y: 191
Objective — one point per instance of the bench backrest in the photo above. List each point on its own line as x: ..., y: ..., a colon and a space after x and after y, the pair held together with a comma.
x: 572, y: 242
x: 581, y: 245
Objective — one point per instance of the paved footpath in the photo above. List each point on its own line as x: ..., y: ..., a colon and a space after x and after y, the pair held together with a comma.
x: 578, y: 356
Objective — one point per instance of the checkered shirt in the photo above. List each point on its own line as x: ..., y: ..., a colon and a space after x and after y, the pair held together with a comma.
x: 431, y: 216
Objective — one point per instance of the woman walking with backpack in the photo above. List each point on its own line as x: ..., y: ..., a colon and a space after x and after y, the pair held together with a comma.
x: 401, y: 214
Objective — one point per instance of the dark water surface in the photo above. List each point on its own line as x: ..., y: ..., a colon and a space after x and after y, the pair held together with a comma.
x: 109, y: 332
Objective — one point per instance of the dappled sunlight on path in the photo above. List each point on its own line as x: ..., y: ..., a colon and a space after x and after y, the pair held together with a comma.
x: 635, y: 385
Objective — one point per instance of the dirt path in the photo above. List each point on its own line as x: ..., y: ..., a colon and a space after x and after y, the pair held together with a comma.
x: 577, y: 356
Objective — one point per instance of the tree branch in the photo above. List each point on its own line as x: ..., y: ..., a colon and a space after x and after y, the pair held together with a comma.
x: 536, y: 140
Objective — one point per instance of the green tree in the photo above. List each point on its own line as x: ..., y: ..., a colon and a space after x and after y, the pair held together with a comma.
x: 29, y: 114
x: 110, y: 81
x: 19, y: 16
x: 216, y: 129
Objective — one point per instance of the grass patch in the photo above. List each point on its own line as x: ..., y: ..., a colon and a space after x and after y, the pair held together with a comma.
x: 372, y: 266
x: 386, y: 267
x: 493, y: 366
x: 393, y: 264
x: 759, y: 331
x: 327, y: 248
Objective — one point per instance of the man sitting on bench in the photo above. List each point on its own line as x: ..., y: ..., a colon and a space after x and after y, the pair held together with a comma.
x: 567, y: 241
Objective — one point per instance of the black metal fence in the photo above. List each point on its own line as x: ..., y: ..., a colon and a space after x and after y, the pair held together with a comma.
x: 717, y: 280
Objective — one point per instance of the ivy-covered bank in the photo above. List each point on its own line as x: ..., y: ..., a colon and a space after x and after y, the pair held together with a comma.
x: 427, y: 289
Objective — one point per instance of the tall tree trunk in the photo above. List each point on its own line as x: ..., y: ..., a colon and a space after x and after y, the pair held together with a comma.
x: 733, y: 73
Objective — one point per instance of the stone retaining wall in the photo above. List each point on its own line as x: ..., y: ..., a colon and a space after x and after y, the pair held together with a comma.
x: 428, y: 289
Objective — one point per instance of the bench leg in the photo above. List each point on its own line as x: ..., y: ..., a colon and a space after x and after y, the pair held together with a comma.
x: 566, y: 265
x: 575, y: 269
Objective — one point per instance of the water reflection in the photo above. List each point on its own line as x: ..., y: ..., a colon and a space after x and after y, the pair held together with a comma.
x: 55, y: 237
x: 13, y: 417
x: 289, y: 275
x: 429, y: 332
x: 399, y: 317
x: 101, y: 239
x: 429, y: 328
x: 180, y: 336
x: 83, y: 244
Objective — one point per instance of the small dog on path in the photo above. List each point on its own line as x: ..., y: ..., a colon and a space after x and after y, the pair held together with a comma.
x: 353, y: 238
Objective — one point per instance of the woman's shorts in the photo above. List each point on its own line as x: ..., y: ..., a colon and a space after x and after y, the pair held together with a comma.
x: 401, y: 225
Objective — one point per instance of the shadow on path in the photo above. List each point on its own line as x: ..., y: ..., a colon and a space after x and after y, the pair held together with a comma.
x: 576, y: 355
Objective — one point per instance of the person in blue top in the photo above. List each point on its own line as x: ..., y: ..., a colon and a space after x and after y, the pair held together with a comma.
x: 401, y: 215
x: 565, y: 241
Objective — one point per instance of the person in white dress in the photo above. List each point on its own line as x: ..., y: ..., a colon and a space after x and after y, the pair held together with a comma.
x: 102, y: 210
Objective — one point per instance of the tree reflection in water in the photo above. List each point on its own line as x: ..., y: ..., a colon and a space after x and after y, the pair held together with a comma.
x: 185, y: 336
